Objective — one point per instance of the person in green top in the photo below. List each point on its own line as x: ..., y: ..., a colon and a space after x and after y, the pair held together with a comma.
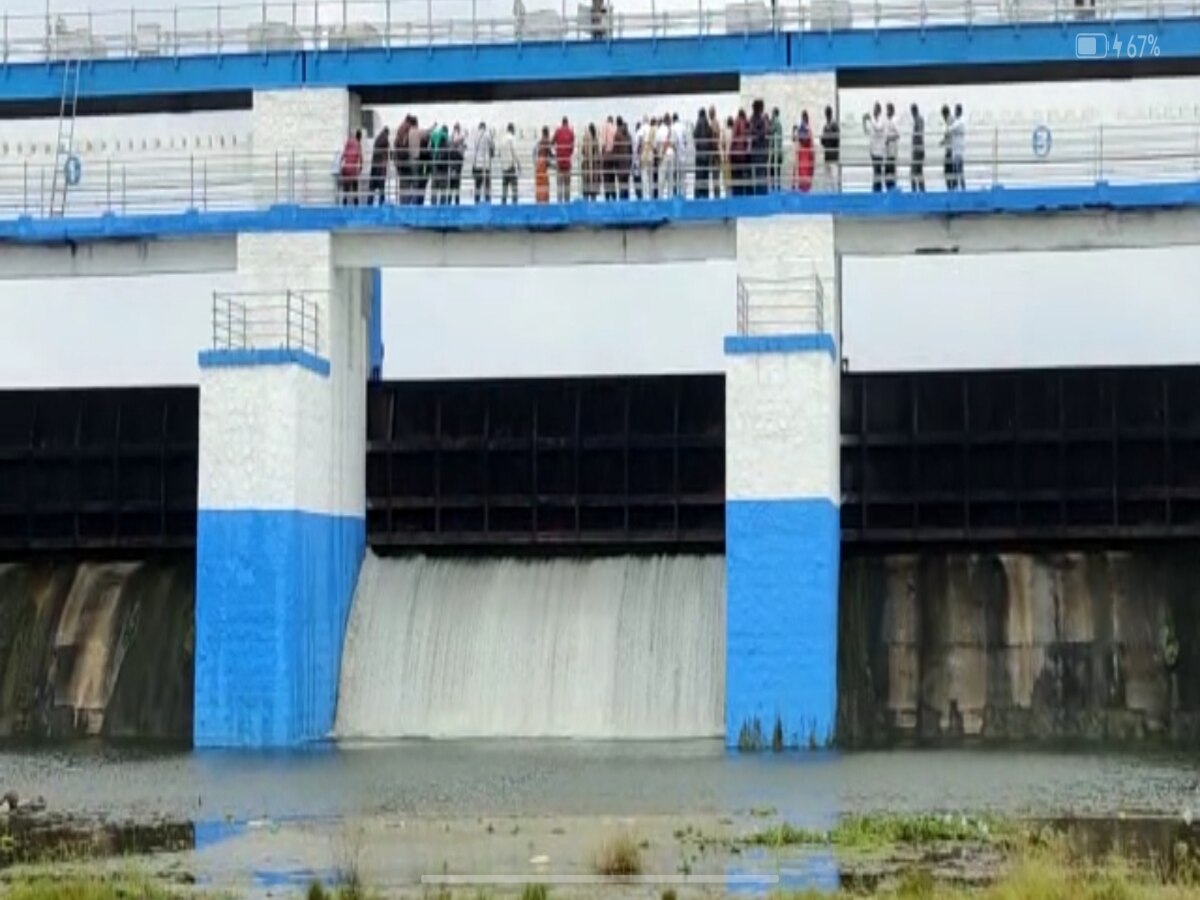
x: 439, y: 138
x: 775, y: 152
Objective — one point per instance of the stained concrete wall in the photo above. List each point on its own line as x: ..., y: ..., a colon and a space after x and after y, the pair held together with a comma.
x: 1098, y: 646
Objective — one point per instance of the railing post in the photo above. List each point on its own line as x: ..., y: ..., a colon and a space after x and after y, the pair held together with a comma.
x: 1100, y: 155
x: 214, y: 320
x: 108, y: 184
x: 42, y: 192
x: 204, y: 183
x: 276, y: 176
x: 292, y: 178
x: 429, y: 21
x: 387, y: 26
x: 192, y: 180
x: 132, y: 49
x: 220, y: 33
x: 474, y: 21
x: 175, y: 29
x: 653, y: 18
x: 995, y: 155
x: 6, y: 37
x: 25, y: 187
x: 124, y: 185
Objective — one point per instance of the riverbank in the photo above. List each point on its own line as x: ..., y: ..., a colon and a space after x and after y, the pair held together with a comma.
x: 760, y: 853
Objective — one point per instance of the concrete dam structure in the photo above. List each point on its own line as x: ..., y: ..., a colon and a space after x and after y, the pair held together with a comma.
x: 632, y: 559
x: 546, y: 558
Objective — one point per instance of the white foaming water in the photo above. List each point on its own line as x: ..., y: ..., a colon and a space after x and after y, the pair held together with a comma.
x: 627, y: 647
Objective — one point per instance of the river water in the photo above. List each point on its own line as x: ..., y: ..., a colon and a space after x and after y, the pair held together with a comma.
x: 468, y: 779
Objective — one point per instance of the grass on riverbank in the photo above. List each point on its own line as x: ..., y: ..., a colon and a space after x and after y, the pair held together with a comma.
x: 880, y: 832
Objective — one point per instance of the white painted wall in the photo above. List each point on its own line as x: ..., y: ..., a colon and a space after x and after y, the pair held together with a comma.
x: 781, y: 426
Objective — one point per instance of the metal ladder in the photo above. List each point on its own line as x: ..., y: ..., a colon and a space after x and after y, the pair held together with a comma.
x: 65, y: 144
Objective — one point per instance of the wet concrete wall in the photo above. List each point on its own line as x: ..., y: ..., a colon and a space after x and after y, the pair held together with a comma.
x: 97, y: 649
x: 954, y: 647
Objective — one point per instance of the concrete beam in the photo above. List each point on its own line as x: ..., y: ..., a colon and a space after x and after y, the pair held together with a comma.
x: 992, y: 233
x: 187, y: 256
x: 502, y: 249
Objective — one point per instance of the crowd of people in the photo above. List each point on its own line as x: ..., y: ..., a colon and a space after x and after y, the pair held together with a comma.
x: 742, y: 155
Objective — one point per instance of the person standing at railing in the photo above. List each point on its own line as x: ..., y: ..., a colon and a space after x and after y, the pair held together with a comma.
x: 831, y: 146
x: 400, y: 159
x: 760, y: 138
x: 715, y: 156
x: 679, y: 142
x: 775, y: 152
x: 725, y: 148
x: 739, y: 156
x: 589, y: 163
x: 380, y: 153
x: 420, y: 161
x: 958, y: 147
x: 662, y: 140
x: 510, y: 164
x: 804, y: 155
x: 457, y: 159
x: 481, y: 164
x: 948, y: 149
x: 352, y: 163
x: 608, y: 168
x: 439, y: 165
x: 876, y: 132
x: 638, y: 149
x: 891, y: 147
x: 622, y: 159
x: 564, y: 150
x: 702, y: 137
x: 918, y: 150
x: 542, y: 154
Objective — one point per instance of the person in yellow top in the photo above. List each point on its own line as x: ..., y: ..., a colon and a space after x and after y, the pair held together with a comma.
x: 541, y: 168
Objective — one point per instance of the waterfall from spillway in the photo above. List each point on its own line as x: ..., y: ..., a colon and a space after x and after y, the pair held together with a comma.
x: 626, y: 647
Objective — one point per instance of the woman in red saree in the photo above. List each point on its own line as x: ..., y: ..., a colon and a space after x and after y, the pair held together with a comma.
x: 805, y: 157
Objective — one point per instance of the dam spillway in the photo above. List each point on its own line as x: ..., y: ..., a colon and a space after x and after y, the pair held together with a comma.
x: 620, y: 647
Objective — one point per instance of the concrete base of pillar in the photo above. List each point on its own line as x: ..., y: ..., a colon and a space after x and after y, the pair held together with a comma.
x: 273, y: 597
x: 782, y: 559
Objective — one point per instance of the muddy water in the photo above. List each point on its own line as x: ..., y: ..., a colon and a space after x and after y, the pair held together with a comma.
x: 473, y: 779
x: 408, y: 815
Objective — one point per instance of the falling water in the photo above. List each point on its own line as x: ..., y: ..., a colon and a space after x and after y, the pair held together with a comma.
x: 628, y: 647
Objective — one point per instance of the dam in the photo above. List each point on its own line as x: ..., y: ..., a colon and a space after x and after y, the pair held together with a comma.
x: 782, y: 554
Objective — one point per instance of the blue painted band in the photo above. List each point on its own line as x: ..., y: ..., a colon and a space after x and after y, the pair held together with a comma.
x: 624, y: 214
x: 273, y: 595
x: 712, y: 54
x: 781, y: 560
x: 821, y: 342
x: 279, y: 356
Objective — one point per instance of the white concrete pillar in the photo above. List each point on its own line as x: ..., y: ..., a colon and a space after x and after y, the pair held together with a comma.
x: 296, y: 135
x: 281, y: 525
x: 783, y: 488
x: 793, y: 95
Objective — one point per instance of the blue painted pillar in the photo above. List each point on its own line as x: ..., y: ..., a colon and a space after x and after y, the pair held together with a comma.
x: 782, y: 532
x: 281, y: 526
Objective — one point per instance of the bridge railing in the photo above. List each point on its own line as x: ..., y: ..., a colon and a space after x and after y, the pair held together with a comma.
x: 266, y: 320
x: 790, y: 302
x: 1131, y: 153
x: 242, y: 26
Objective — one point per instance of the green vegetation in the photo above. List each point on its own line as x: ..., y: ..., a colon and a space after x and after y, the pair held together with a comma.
x: 535, y: 892
x: 1034, y: 878
x: 878, y: 832
x: 619, y: 857
x: 93, y: 887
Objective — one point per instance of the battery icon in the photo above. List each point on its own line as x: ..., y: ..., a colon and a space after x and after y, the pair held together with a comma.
x: 1091, y: 46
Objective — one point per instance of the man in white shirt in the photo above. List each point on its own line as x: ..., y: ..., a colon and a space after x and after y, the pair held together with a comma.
x: 481, y: 164
x: 958, y: 146
x: 662, y: 143
x: 875, y: 131
x: 679, y: 144
x: 510, y: 164
x: 891, y: 148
